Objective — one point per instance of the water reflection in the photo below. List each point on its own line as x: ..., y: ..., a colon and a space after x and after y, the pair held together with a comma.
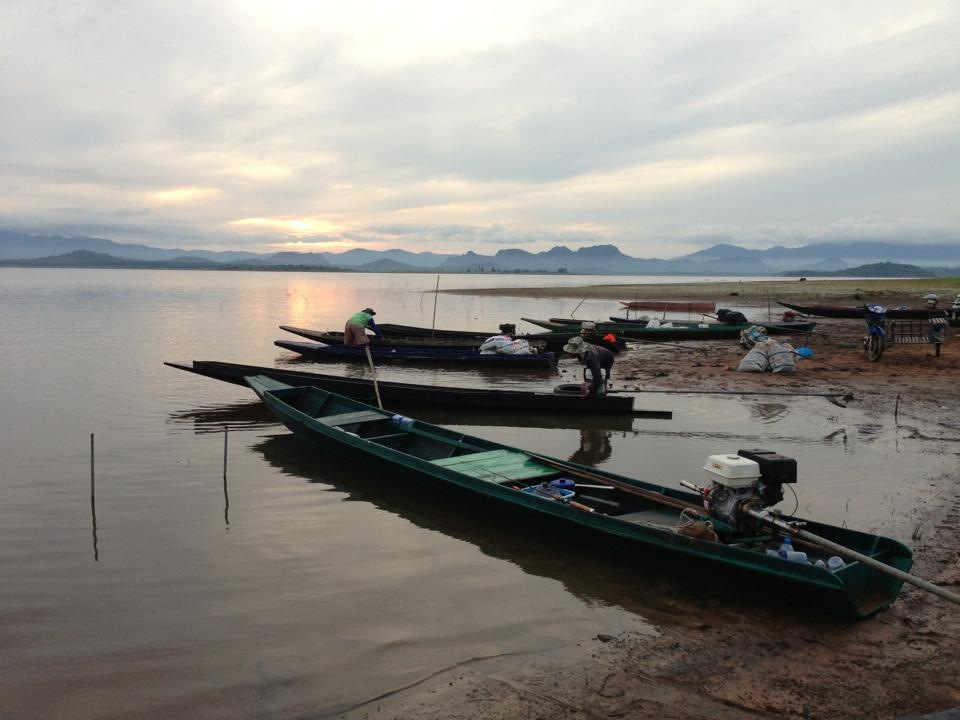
x: 767, y: 412
x: 599, y: 573
x: 594, y: 447
x: 214, y: 418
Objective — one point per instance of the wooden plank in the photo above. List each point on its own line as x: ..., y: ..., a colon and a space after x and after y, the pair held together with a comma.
x: 447, y: 462
x: 352, y: 417
x: 497, y: 466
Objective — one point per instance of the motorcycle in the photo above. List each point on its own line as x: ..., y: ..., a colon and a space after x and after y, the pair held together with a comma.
x: 875, y: 341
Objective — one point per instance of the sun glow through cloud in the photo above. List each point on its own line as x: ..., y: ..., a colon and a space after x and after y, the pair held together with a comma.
x: 183, y: 195
x: 299, y: 227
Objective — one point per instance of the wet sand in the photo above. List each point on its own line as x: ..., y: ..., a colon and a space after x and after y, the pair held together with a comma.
x: 761, y: 660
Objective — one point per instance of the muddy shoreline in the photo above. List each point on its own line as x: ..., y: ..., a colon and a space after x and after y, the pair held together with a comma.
x: 759, y: 660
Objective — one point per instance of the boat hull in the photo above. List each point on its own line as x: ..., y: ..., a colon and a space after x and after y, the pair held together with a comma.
x: 553, y: 341
x: 681, y: 330
x: 841, y: 311
x: 856, y: 590
x: 412, y: 395
x: 434, y: 356
x: 670, y: 305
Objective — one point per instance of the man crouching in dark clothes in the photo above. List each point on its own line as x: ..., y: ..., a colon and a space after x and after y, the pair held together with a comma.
x: 594, y: 357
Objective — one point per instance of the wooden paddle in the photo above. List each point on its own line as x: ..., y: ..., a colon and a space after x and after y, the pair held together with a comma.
x: 650, y: 495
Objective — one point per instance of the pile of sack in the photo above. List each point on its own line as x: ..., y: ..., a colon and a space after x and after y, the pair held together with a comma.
x: 503, y: 345
x: 770, y: 355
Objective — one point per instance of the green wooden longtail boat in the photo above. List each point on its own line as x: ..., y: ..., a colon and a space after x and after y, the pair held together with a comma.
x: 679, y: 330
x: 612, y: 510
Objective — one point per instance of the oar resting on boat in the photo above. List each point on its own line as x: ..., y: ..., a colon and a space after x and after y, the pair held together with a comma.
x: 735, y: 531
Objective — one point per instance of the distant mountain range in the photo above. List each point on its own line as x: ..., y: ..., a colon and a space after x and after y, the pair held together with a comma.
x: 722, y: 259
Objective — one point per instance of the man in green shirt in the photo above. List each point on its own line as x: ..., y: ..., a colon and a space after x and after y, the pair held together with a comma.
x: 355, y: 332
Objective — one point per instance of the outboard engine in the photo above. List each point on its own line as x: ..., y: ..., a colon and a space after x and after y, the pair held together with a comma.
x: 750, y: 479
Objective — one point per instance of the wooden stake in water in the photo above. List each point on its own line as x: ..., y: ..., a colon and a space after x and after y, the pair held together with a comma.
x: 226, y: 497
x: 436, y: 292
x: 373, y: 374
x: 93, y: 502
x: 579, y: 304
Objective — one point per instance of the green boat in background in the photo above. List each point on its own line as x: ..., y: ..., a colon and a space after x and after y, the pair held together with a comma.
x: 614, y: 511
x: 673, y: 329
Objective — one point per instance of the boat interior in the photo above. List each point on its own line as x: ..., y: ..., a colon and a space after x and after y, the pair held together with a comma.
x: 518, y: 470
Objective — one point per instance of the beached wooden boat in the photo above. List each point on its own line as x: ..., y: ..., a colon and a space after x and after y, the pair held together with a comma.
x: 436, y: 356
x: 412, y: 395
x: 394, y: 330
x: 679, y: 329
x: 626, y: 514
x: 331, y: 337
x: 692, y: 306
x: 637, y: 322
x: 859, y: 312
x: 553, y: 341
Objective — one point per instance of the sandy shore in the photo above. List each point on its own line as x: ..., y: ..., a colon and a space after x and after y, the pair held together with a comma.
x: 760, y: 660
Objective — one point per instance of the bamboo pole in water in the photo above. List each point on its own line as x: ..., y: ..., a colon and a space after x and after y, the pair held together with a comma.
x: 93, y: 502
x: 436, y: 293
x: 373, y: 372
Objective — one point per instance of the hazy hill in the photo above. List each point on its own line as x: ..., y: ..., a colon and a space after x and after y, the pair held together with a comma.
x: 720, y: 259
x: 876, y: 270
x: 17, y: 245
x: 290, y: 258
x: 362, y: 256
x: 88, y: 259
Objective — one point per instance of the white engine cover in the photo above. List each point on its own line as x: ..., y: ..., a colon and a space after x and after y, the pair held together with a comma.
x: 732, y: 471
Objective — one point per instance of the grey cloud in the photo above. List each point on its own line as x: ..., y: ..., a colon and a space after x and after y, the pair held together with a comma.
x: 143, y: 96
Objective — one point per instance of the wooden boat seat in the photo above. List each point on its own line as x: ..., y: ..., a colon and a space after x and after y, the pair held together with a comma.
x: 497, y: 466
x: 657, y: 516
x: 352, y: 418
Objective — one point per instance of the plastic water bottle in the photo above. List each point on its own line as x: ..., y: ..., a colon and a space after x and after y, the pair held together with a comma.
x: 785, y: 547
x: 796, y: 556
x: 402, y: 421
x: 834, y: 563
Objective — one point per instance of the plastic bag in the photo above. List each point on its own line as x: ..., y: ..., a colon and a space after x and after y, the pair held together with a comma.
x: 494, y: 344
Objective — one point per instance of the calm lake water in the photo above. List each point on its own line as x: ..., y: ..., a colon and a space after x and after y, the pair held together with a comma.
x: 304, y: 585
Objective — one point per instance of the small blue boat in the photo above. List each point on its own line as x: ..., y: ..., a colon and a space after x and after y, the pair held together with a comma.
x: 434, y: 355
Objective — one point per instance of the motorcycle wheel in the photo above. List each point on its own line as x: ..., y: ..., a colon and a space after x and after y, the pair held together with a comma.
x: 874, y: 347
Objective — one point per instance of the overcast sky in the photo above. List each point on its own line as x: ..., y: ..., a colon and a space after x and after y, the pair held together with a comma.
x: 661, y: 127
